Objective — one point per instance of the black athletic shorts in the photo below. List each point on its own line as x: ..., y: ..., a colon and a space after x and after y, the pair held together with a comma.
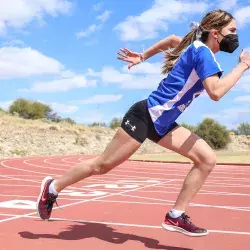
x: 138, y: 123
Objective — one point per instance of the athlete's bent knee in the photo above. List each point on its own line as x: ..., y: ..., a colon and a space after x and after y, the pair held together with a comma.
x: 206, y: 161
x: 102, y: 168
x: 210, y: 162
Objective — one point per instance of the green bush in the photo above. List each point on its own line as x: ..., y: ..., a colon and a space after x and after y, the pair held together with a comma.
x: 98, y: 124
x: 20, y: 106
x: 115, y: 123
x: 243, y: 129
x: 68, y: 120
x: 215, y: 134
x: 54, y: 117
x: 2, y: 112
x: 235, y: 131
x: 30, y: 109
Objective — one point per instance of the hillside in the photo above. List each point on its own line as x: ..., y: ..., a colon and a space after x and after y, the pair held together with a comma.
x: 20, y: 137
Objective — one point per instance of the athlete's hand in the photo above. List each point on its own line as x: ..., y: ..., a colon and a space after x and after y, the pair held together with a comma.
x: 127, y: 55
x: 245, y: 58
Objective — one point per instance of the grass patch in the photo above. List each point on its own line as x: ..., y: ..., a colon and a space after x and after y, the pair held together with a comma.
x: 19, y: 151
x: 82, y: 141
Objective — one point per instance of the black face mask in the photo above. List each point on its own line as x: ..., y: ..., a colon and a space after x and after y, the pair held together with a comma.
x: 229, y: 43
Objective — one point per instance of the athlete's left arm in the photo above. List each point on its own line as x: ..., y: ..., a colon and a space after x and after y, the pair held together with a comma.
x: 169, y: 42
x: 135, y: 58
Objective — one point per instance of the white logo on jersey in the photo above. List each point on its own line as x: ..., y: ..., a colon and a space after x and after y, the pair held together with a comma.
x: 197, y: 94
x: 182, y: 107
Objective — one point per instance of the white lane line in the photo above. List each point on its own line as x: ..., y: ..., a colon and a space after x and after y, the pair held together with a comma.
x: 120, y: 169
x: 35, y: 197
x: 40, y: 166
x: 210, y: 185
x: 79, y: 159
x: 24, y: 170
x: 246, y: 209
x: 50, y: 174
x: 19, y: 179
x: 80, y: 202
x: 146, y: 203
x: 135, y: 225
x: 201, y: 192
x: 58, y: 164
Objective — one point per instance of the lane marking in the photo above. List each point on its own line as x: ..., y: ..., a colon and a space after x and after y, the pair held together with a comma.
x: 245, y: 209
x: 80, y: 202
x: 135, y: 225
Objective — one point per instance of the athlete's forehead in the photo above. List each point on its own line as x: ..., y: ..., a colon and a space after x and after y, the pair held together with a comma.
x: 232, y: 26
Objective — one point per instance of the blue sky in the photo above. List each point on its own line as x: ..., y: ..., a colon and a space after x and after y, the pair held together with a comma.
x: 63, y: 53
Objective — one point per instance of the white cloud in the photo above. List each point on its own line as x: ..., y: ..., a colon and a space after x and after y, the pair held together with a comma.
x: 111, y: 75
x: 144, y: 68
x: 95, y: 115
x: 240, y: 99
x: 243, y: 84
x: 204, y: 94
x: 5, y: 105
x: 18, y: 13
x: 94, y: 27
x: 23, y: 62
x: 90, y: 117
x: 91, y: 42
x: 142, y: 76
x: 63, y: 108
x: 98, y: 6
x: 227, y: 4
x: 104, y: 16
x: 242, y: 16
x: 14, y: 43
x: 230, y: 116
x: 99, y: 99
x: 149, y: 23
x: 67, y: 74
x: 90, y: 30
x: 61, y: 85
x: 2, y: 28
x: 92, y: 73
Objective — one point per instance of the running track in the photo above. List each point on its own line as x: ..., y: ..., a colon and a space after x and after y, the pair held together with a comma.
x: 122, y: 209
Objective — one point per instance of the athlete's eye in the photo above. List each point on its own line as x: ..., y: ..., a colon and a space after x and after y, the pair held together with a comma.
x: 233, y: 30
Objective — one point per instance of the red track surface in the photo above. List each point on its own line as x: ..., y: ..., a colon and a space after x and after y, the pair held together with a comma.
x: 122, y: 209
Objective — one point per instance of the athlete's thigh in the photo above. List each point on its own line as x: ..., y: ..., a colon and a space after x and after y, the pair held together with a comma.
x: 121, y: 147
x: 188, y: 144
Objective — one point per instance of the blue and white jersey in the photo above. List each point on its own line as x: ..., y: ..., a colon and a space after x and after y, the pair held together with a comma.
x: 182, y: 85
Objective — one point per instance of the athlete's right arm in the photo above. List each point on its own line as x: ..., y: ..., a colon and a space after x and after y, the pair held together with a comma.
x: 217, y: 88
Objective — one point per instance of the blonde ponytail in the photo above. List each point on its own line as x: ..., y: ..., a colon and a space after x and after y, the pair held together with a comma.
x: 216, y: 19
x: 172, y: 57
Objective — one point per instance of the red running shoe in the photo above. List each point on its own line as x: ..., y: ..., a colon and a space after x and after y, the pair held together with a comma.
x: 45, y: 200
x: 183, y: 225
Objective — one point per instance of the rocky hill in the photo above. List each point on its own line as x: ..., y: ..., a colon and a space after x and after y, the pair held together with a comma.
x: 20, y: 137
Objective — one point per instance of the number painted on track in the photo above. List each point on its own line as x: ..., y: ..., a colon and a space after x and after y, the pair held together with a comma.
x: 138, y: 181
x: 82, y: 194
x: 112, y: 186
x: 18, y: 204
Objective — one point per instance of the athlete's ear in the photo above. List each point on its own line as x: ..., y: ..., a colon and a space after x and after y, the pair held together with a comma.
x: 214, y: 33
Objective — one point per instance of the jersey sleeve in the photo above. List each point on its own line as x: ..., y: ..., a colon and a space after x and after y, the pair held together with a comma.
x: 206, y: 64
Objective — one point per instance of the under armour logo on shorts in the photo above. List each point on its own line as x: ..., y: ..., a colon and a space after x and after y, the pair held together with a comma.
x: 127, y: 123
